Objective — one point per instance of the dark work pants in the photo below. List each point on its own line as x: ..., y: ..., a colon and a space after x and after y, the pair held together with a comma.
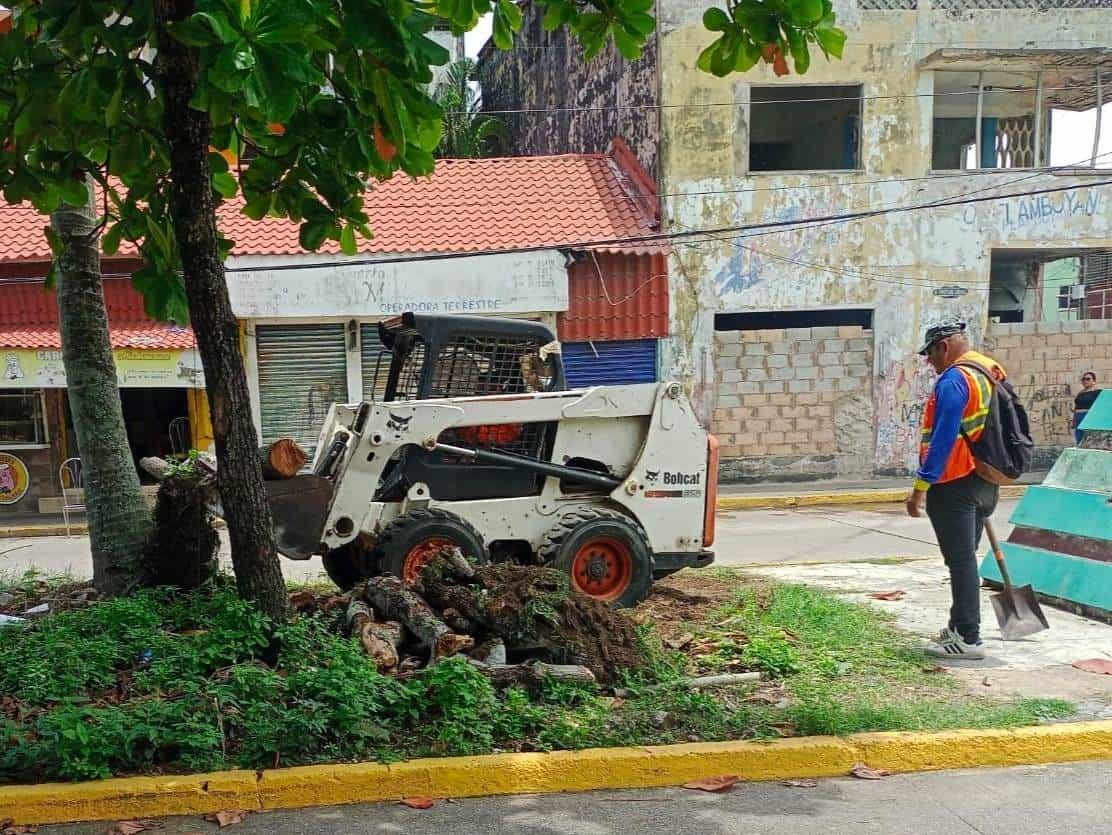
x: 957, y: 510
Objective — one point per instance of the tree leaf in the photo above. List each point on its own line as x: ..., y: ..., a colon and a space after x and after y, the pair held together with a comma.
x: 864, y: 772
x: 716, y: 20
x: 227, y: 818
x: 806, y: 11
x: 132, y: 827
x: 797, y: 44
x: 220, y: 25
x: 897, y: 594
x: 347, y: 241
x: 224, y: 184
x: 75, y: 192
x: 830, y: 38
x: 713, y: 784
x: 628, y: 45
x: 110, y: 241
x: 1100, y: 666
x: 419, y: 802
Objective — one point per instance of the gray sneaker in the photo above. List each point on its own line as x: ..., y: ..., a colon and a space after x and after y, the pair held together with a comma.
x: 949, y: 644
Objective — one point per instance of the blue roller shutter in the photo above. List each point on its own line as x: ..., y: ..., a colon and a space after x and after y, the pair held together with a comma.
x: 609, y: 363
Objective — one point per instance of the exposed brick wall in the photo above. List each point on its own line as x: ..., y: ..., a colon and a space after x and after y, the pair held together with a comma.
x: 794, y: 404
x: 1045, y: 361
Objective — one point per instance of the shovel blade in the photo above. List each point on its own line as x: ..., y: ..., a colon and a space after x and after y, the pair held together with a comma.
x: 298, y: 510
x: 1018, y: 612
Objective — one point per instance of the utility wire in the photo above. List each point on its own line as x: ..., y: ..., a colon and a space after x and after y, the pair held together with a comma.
x: 665, y: 237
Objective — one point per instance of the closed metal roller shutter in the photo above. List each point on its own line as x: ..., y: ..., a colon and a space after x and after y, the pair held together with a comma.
x: 609, y: 363
x: 302, y: 372
x: 370, y: 349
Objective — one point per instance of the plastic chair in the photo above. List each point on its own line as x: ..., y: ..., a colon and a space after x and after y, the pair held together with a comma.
x: 180, y: 436
x: 73, y: 487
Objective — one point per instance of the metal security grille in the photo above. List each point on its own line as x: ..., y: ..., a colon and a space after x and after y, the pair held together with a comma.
x: 409, y: 377
x: 610, y: 363
x: 964, y: 5
x: 1015, y: 142
x: 887, y: 5
x: 478, y: 366
x: 375, y: 360
x: 302, y: 371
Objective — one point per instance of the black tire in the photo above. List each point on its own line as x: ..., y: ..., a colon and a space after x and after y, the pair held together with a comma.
x: 349, y: 565
x: 606, y: 554
x: 407, y: 534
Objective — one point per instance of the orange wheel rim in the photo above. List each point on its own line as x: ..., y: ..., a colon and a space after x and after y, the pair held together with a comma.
x: 421, y: 555
x: 602, y: 568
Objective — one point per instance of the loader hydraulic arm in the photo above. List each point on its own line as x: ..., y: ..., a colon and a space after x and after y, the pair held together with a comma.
x: 490, y: 456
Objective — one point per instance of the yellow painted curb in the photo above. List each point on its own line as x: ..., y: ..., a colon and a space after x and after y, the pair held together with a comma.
x: 560, y: 771
x: 784, y: 502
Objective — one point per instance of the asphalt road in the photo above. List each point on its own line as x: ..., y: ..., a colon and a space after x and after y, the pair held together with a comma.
x: 827, y: 534
x: 1049, y: 800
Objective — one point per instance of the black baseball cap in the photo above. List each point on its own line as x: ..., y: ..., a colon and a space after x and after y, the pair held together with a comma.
x: 940, y: 330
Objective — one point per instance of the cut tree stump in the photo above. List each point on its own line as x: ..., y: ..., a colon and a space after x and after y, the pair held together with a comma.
x: 393, y: 601
x: 282, y: 459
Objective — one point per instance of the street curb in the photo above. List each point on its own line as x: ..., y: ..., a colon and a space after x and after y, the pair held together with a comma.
x: 725, y: 503
x: 783, y: 502
x: 559, y: 771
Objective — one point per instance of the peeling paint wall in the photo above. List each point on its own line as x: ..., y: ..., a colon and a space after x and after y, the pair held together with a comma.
x: 891, y: 263
x: 567, y: 104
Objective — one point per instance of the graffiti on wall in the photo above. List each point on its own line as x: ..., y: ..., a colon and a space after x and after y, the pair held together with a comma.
x: 1050, y: 410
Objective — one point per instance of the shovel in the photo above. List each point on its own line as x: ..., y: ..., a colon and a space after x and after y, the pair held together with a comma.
x: 1017, y: 609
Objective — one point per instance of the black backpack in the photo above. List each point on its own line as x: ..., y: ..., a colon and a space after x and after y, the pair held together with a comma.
x: 1005, y: 445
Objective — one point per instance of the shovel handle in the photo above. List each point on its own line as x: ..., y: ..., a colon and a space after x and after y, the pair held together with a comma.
x: 998, y: 553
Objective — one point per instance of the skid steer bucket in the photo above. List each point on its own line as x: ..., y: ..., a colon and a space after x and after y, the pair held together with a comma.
x: 298, y: 510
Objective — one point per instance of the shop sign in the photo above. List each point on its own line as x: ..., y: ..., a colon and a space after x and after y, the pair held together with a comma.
x: 532, y: 282
x: 135, y: 368
x: 14, y: 479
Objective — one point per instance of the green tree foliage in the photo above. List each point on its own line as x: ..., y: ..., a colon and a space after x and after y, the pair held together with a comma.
x: 467, y: 132
x: 329, y: 93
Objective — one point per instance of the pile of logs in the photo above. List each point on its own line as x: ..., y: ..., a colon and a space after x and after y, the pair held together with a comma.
x: 402, y: 630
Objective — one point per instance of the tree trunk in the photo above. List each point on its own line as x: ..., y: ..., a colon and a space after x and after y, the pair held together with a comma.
x: 240, y: 478
x: 392, y: 601
x: 119, y: 519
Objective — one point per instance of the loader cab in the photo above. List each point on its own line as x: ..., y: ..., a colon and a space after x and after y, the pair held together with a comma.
x: 430, y: 357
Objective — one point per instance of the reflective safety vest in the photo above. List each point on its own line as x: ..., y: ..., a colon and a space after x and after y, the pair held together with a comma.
x: 960, y: 461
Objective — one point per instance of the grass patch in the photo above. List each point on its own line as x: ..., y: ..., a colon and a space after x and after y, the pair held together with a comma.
x: 163, y: 682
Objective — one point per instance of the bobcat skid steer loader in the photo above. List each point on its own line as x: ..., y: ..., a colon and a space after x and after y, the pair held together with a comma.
x: 475, y: 443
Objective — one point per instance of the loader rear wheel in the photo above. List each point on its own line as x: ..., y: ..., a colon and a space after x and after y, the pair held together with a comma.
x: 411, y: 542
x: 605, y: 554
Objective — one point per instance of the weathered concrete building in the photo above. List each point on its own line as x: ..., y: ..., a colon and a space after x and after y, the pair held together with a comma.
x: 799, y: 339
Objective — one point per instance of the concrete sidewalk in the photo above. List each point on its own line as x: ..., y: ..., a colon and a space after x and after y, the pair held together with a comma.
x: 1048, y: 800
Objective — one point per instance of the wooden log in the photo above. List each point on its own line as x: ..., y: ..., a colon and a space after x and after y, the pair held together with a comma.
x: 155, y: 466
x: 533, y: 674
x: 457, y: 622
x: 380, y: 640
x: 460, y: 566
x: 698, y: 683
x: 282, y: 459
x: 490, y: 652
x: 393, y: 601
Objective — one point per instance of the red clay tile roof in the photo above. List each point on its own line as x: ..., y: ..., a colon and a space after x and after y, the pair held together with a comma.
x: 29, y: 318
x: 467, y: 205
x: 154, y: 336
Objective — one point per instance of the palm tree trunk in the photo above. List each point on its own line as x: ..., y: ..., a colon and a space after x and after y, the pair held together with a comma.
x: 240, y: 477
x: 119, y: 519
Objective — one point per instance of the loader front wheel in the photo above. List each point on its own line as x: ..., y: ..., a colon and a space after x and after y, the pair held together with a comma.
x: 349, y: 564
x: 606, y: 555
x: 411, y: 542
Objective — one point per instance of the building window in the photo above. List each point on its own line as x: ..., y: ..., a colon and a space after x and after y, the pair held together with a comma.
x: 811, y: 128
x: 22, y: 421
x: 1008, y: 104
x: 1050, y: 285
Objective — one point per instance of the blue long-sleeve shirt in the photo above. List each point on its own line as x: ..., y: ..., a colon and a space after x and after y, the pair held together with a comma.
x: 951, y: 394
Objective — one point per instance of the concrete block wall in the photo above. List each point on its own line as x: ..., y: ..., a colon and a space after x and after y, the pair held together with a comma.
x: 795, y: 403
x: 1044, y: 361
